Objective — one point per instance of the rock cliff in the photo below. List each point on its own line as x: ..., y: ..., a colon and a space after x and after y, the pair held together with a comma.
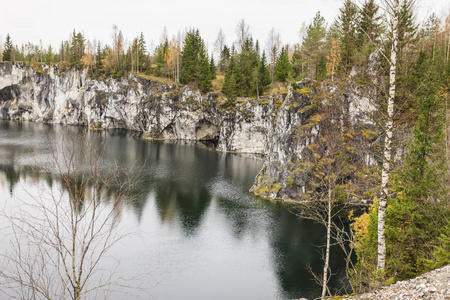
x: 266, y: 125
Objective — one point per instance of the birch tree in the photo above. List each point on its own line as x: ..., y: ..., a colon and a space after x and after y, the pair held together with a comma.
x: 273, y: 47
x: 62, y: 233
x: 393, y: 7
x: 219, y: 44
x: 242, y: 33
x: 332, y: 166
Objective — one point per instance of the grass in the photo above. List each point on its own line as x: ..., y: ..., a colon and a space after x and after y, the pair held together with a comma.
x: 163, y: 80
x: 217, y: 83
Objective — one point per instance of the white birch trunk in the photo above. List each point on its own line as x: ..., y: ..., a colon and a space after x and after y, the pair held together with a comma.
x: 386, y: 169
x: 327, y: 251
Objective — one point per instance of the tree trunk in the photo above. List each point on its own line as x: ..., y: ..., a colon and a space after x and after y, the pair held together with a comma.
x: 327, y: 251
x: 386, y: 169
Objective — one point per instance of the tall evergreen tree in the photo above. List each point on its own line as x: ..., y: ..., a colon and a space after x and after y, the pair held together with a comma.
x: 369, y: 24
x: 194, y: 61
x: 312, y: 46
x: 160, y: 58
x: 8, y: 53
x: 263, y: 74
x: 224, y: 58
x: 413, y: 223
x: 247, y: 62
x: 212, y: 68
x: 99, y: 60
x: 346, y: 23
x: 142, y: 57
x: 230, y: 88
x: 283, y: 66
x: 76, y: 48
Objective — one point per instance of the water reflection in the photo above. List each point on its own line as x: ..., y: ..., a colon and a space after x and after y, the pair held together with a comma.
x: 202, y: 195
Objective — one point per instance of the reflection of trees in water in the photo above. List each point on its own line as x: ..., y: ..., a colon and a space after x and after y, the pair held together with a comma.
x: 187, y: 203
x: 296, y: 244
x: 184, y: 180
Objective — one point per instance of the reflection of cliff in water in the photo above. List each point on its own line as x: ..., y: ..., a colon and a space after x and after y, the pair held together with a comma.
x: 184, y: 183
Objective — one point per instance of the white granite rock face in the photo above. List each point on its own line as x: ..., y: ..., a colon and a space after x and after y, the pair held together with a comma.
x: 265, y: 126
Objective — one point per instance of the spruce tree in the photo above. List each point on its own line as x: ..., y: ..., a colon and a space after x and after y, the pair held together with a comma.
x: 204, y: 76
x: 263, y: 74
x: 246, y: 64
x: 99, y: 61
x: 9, y: 49
x: 195, y: 67
x: 224, y: 59
x: 160, y: 59
x: 212, y: 68
x: 283, y: 66
x: 142, y: 57
x: 76, y: 48
x: 369, y: 24
x: 413, y: 221
x: 348, y: 33
x: 229, y: 86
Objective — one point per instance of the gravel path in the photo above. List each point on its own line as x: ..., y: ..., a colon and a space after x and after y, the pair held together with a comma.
x: 431, y: 285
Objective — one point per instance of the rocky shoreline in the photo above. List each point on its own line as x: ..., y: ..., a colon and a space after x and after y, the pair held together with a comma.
x: 434, y: 285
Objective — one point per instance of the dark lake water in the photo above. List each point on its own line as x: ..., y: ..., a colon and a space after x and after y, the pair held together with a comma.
x: 198, y: 232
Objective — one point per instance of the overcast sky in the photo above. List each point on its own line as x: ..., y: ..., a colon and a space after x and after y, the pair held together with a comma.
x: 53, y: 21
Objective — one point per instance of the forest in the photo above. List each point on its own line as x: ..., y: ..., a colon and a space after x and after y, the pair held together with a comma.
x: 406, y: 231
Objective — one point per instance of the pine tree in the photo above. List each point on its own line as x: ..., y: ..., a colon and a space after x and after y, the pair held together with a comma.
x: 283, y: 66
x: 312, y: 46
x: 8, y: 53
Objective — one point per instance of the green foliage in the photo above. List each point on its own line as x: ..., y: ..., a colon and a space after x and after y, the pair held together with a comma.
x: 230, y: 88
x: 263, y: 74
x: 241, y: 76
x: 368, y: 30
x: 8, y: 52
x: 99, y: 58
x: 442, y: 252
x: 283, y: 66
x: 347, y: 28
x: 365, y: 241
x: 76, y: 49
x: 313, y: 46
x: 212, y: 68
x: 160, y: 59
x: 142, y: 57
x: 224, y: 59
x: 416, y: 215
x: 195, y: 67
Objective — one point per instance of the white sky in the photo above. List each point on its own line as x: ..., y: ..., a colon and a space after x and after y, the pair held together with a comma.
x: 53, y: 21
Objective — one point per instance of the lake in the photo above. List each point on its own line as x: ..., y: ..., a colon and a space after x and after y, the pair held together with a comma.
x: 197, y: 231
